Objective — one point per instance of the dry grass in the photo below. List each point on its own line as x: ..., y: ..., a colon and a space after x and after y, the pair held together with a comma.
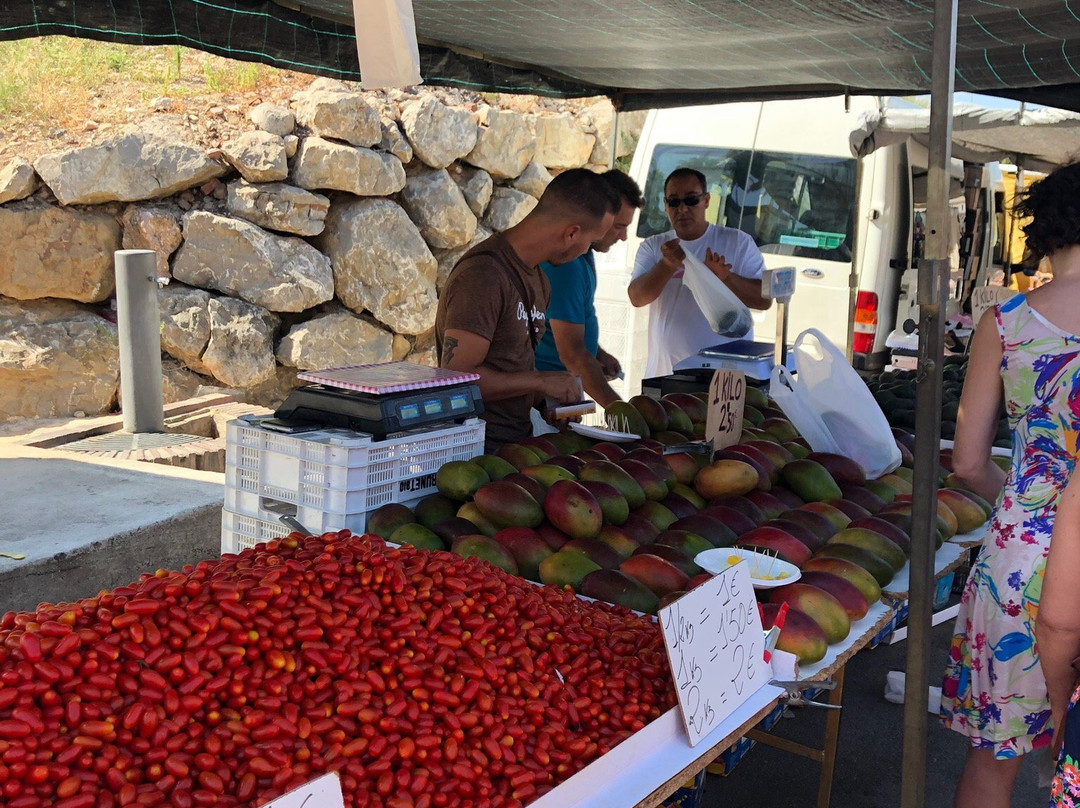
x: 59, y: 88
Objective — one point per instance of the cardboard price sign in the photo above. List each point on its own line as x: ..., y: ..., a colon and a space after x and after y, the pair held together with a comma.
x: 986, y: 297
x: 715, y: 645
x: 322, y: 792
x: 727, y: 397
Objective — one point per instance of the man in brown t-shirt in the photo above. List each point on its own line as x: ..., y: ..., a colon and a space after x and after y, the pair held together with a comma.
x: 491, y: 312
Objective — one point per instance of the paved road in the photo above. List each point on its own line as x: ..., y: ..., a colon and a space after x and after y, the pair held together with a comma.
x: 868, y: 769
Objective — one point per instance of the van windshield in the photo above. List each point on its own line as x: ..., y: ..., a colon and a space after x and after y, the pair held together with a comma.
x: 792, y: 204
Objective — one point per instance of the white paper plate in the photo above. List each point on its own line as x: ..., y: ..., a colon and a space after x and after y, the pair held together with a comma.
x: 601, y: 433
x: 720, y: 558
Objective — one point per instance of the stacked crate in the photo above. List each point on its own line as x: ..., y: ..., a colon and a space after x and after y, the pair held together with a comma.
x: 328, y: 479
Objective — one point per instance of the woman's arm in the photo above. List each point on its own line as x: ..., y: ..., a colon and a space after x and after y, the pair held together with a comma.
x: 1057, y: 626
x: 977, y: 417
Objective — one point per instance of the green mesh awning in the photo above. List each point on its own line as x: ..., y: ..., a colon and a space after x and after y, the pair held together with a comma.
x: 642, y: 53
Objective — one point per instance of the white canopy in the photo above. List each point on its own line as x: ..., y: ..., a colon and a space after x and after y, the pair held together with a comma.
x: 1041, y: 138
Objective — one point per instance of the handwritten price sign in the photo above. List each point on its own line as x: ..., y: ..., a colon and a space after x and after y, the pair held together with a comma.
x: 714, y: 642
x: 322, y: 792
x: 985, y: 297
x: 727, y: 395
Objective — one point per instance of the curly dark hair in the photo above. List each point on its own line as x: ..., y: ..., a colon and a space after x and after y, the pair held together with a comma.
x: 1053, y: 203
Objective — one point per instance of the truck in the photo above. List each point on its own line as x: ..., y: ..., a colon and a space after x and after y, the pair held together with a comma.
x: 784, y: 172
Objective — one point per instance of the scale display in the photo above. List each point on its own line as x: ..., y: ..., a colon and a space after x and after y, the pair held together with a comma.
x: 382, y: 399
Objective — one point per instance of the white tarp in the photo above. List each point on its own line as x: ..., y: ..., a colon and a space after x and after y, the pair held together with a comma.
x: 1041, y: 138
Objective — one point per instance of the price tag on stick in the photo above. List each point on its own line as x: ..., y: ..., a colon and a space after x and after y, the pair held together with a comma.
x: 727, y: 396
x: 715, y: 645
x: 322, y: 792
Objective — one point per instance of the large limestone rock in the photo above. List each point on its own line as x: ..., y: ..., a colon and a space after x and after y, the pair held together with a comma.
x: 381, y: 263
x: 505, y: 144
x: 280, y: 273
x: 533, y: 180
x: 278, y: 206
x: 439, y: 134
x: 507, y: 208
x: 178, y: 383
x: 274, y: 119
x: 51, y: 252
x: 599, y: 119
x: 240, y: 351
x: 258, y: 156
x: 185, y: 323
x: 152, y: 227
x: 336, y: 112
x: 324, y: 164
x: 334, y: 340
x: 439, y: 209
x: 150, y: 161
x: 561, y: 143
x: 448, y: 258
x: 394, y: 142
x: 272, y: 392
x: 476, y: 184
x: 17, y: 180
x: 56, y: 358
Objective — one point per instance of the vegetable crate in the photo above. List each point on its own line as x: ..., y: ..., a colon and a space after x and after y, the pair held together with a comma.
x: 330, y: 479
x: 239, y: 533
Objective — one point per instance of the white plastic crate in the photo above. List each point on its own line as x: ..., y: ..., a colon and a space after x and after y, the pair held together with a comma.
x: 240, y: 532
x: 331, y: 479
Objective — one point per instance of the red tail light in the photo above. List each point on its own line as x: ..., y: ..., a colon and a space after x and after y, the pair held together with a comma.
x: 866, y: 319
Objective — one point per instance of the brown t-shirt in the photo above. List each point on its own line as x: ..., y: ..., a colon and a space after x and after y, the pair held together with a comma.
x: 480, y: 297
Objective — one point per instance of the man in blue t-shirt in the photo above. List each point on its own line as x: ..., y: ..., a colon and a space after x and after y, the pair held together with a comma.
x: 571, y: 341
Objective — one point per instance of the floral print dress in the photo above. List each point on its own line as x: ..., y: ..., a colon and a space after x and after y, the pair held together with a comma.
x: 993, y: 690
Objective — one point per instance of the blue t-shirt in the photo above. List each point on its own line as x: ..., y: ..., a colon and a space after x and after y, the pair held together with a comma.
x: 573, y: 293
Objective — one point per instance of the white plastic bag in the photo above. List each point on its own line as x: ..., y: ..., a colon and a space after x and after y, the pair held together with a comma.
x: 829, y: 387
x: 798, y: 408
x: 727, y: 315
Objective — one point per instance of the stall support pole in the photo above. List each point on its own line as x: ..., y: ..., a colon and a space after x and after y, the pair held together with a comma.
x: 139, y: 328
x: 932, y: 296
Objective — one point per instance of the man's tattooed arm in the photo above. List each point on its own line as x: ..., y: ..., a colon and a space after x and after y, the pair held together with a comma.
x: 449, y: 344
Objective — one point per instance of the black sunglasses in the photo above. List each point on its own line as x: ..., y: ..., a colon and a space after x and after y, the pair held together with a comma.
x: 690, y: 200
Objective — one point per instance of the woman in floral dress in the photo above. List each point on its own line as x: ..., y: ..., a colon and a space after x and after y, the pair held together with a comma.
x: 1026, y: 352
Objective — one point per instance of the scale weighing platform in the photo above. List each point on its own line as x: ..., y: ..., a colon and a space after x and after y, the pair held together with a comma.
x: 755, y: 359
x: 378, y: 399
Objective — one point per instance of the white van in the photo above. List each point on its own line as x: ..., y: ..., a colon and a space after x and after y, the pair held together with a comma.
x: 783, y: 172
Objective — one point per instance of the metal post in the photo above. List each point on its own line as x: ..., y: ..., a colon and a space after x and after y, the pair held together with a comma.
x: 932, y: 296
x: 139, y: 327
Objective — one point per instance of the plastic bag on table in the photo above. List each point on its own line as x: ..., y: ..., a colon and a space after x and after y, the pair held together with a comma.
x: 727, y: 315
x: 800, y: 410
x: 831, y: 388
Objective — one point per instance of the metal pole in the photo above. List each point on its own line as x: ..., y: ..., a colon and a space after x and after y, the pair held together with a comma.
x: 932, y: 296
x: 139, y: 327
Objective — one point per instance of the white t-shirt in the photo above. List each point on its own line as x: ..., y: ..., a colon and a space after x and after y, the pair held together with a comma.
x: 677, y: 328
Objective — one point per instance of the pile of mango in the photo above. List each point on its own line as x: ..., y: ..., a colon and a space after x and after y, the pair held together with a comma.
x: 895, y: 394
x: 623, y: 522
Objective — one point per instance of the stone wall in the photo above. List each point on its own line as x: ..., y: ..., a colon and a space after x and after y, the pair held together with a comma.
x: 320, y: 237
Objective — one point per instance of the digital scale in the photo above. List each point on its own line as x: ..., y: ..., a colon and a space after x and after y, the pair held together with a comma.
x: 755, y: 359
x: 379, y: 399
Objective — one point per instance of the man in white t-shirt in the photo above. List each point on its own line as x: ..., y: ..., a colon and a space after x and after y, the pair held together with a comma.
x: 677, y: 328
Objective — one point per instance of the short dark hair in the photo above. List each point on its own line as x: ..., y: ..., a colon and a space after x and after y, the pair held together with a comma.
x: 688, y: 172
x: 580, y: 191
x: 624, y: 185
x: 1053, y: 203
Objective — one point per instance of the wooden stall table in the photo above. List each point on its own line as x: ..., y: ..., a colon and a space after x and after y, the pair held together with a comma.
x: 877, y: 619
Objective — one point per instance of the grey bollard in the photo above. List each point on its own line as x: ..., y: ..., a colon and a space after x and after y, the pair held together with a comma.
x: 139, y: 327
